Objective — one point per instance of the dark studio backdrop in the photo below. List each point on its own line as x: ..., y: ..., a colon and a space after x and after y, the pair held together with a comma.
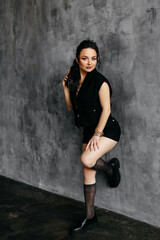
x: 39, y: 143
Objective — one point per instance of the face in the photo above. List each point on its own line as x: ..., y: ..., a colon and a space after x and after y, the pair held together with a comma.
x: 87, y: 59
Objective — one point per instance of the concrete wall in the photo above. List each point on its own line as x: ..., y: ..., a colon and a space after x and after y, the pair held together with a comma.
x: 39, y: 143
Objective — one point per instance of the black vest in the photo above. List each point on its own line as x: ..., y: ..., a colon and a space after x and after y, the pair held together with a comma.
x: 86, y: 107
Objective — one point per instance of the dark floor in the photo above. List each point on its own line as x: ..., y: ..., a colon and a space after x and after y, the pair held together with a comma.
x: 28, y: 213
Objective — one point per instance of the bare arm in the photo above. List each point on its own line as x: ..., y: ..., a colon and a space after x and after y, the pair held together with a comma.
x: 67, y: 93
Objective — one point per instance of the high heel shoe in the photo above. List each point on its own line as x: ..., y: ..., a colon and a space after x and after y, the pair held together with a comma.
x: 87, y: 223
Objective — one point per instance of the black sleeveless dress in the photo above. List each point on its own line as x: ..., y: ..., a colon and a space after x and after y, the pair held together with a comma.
x: 87, y: 108
x: 111, y: 130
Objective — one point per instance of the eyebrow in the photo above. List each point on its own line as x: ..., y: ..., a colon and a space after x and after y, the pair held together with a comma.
x: 87, y: 56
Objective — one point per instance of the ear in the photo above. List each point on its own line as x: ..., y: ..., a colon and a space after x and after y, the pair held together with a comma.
x: 76, y: 59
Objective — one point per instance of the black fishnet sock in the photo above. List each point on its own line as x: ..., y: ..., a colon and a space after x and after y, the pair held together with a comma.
x: 89, y: 194
x: 103, y: 166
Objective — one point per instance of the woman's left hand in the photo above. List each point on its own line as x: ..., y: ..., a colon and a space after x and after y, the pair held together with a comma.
x: 93, y: 143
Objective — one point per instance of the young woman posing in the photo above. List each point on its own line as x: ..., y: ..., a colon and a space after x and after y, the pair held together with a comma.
x: 87, y: 92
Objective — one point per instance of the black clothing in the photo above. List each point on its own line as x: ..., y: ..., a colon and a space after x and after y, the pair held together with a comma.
x: 103, y: 166
x: 87, y: 108
x: 89, y: 195
x: 111, y: 169
x: 115, y: 178
x: 111, y: 130
x: 85, y: 225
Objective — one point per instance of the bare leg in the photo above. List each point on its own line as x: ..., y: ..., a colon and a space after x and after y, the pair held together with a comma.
x: 89, y: 174
x: 93, y: 160
x: 89, y: 158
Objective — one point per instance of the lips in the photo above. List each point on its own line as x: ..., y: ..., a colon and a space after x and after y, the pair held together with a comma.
x: 89, y: 67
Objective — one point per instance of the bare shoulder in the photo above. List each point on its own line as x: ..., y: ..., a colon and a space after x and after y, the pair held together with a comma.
x: 104, y: 89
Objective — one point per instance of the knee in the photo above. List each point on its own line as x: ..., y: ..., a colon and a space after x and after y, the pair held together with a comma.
x: 86, y: 161
x: 89, y: 175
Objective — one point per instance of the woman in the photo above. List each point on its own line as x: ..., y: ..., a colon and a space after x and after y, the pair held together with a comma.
x: 87, y: 92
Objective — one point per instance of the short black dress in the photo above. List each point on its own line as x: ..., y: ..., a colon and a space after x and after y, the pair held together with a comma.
x: 111, y: 130
x: 87, y: 108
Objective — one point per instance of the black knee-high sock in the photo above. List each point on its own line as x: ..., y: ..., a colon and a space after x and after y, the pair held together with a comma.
x: 89, y: 195
x: 103, y: 166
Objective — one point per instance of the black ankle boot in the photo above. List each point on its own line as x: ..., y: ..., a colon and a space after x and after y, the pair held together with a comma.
x: 115, y: 178
x: 85, y: 225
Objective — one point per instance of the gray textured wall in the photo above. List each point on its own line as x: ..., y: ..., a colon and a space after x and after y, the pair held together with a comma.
x: 39, y: 143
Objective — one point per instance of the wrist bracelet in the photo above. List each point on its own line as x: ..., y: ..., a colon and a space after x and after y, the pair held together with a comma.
x: 98, y: 132
x: 97, y: 135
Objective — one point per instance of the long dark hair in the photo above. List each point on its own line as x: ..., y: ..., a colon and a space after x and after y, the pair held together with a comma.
x: 74, y: 74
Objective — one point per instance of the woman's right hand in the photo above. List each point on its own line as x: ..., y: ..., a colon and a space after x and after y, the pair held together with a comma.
x: 65, y: 79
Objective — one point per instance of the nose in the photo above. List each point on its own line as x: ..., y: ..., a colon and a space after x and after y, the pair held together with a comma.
x: 89, y: 62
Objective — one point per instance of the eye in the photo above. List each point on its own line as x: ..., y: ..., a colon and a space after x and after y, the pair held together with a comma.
x: 83, y: 58
x: 94, y: 59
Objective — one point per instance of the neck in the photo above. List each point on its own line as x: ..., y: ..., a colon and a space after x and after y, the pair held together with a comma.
x: 83, y: 74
